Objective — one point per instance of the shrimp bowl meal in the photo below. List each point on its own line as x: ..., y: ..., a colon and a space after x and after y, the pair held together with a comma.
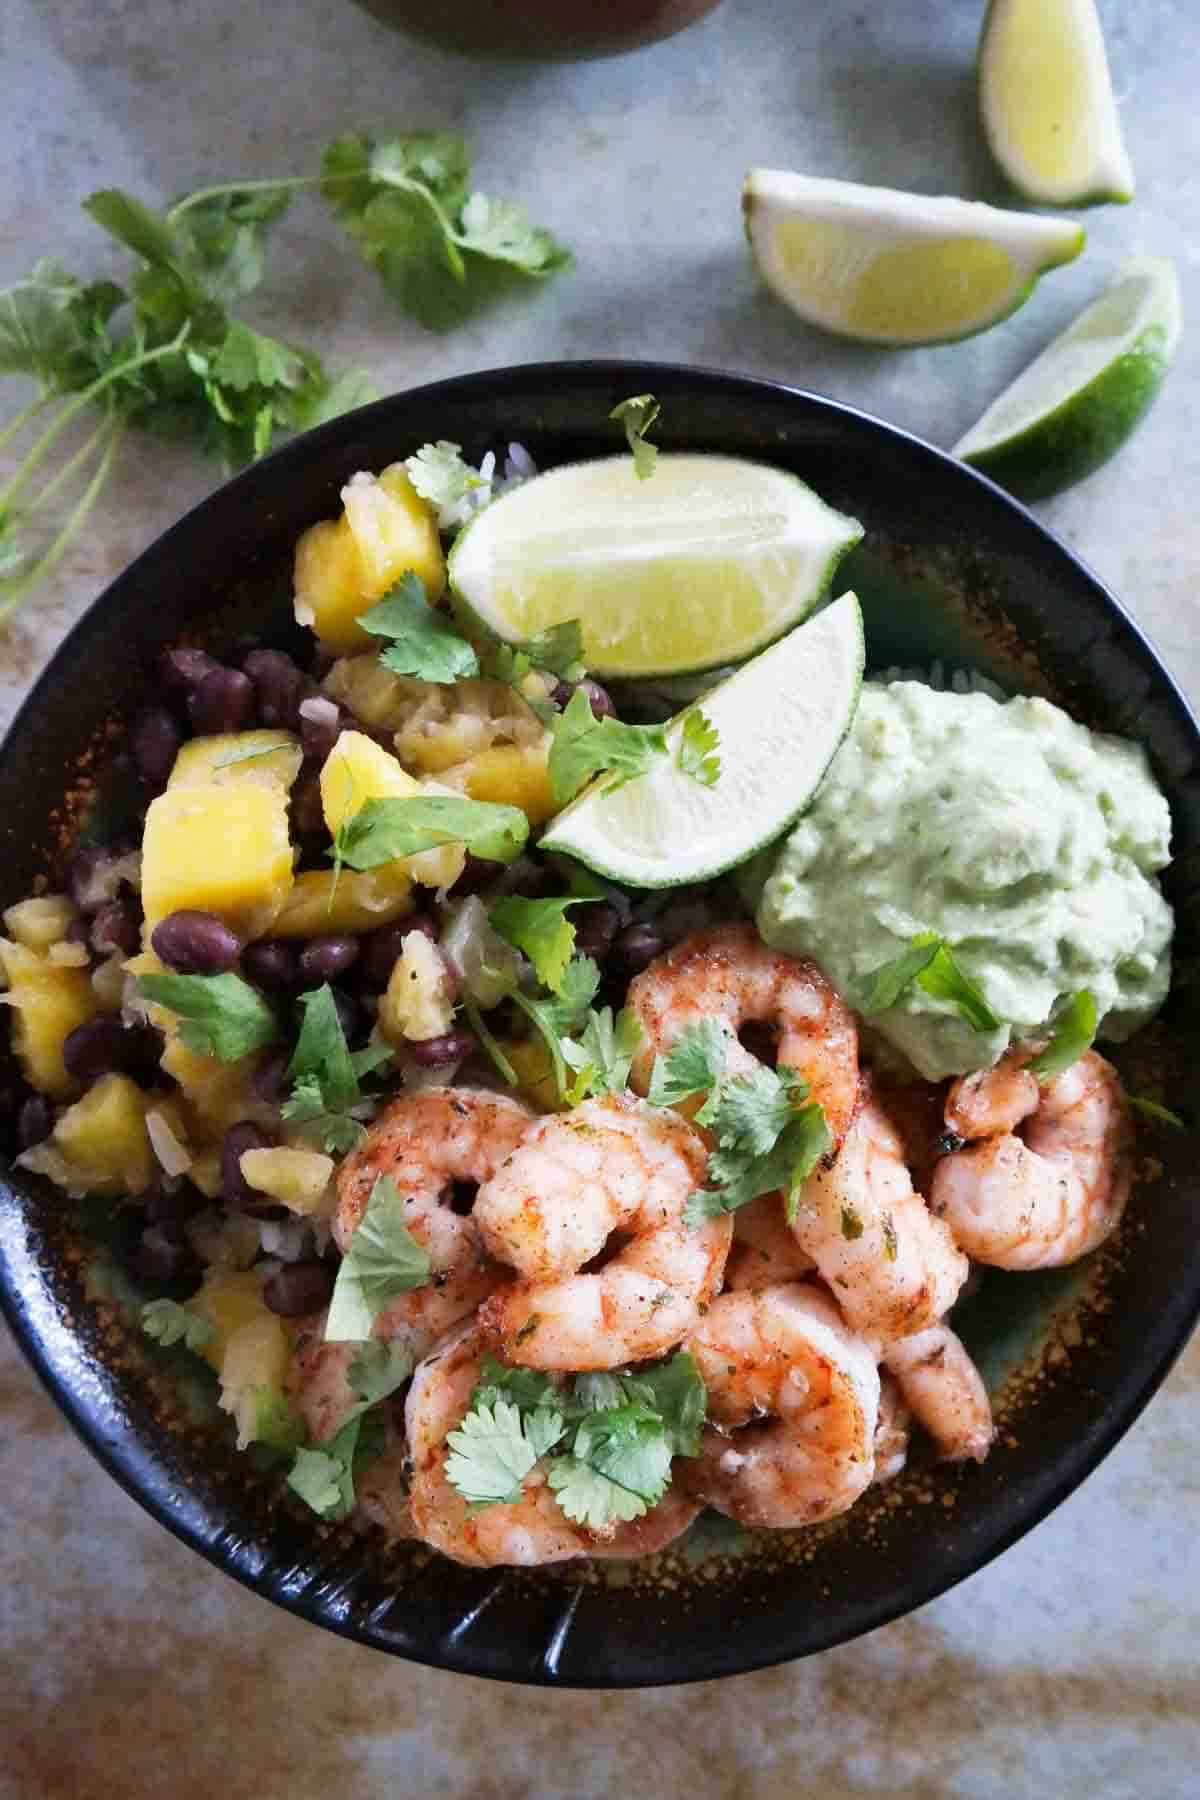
x: 599, y: 993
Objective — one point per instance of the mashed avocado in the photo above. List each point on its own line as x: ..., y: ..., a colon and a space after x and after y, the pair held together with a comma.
x: 1026, y: 841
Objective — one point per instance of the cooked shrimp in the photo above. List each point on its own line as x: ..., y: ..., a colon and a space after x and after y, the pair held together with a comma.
x: 318, y: 1379
x: 992, y: 1101
x: 728, y: 974
x: 765, y: 1251
x: 893, y: 1267
x: 381, y: 1488
x: 429, y: 1143
x: 945, y: 1391
x: 793, y: 1397
x: 610, y: 1169
x: 891, y: 1430
x: 1050, y: 1195
x: 533, y: 1529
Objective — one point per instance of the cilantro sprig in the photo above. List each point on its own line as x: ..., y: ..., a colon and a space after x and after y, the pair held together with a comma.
x: 382, y: 1261
x: 326, y: 1076
x: 601, y: 1053
x: 383, y: 830
x: 583, y: 746
x: 421, y: 641
x: 542, y: 930
x: 168, y: 1322
x: 699, y: 743
x: 637, y: 415
x: 220, y: 1015
x: 930, y: 964
x: 770, y: 1134
x: 558, y: 1015
x: 323, y: 1474
x: 610, y: 1438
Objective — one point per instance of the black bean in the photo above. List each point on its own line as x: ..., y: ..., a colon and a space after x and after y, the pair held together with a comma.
x: 161, y: 1256
x: 325, y: 958
x: 476, y: 874
x: 380, y: 952
x: 117, y: 927
x: 222, y: 701
x: 278, y: 684
x: 350, y: 1014
x: 34, y: 1121
x: 196, y: 943
x: 92, y: 879
x: 308, y: 809
x: 154, y: 739
x: 105, y: 1046
x: 171, y: 1207
x: 438, y: 1052
x: 322, y: 722
x: 636, y: 947
x: 599, y: 698
x: 78, y: 932
x: 271, y: 964
x: 270, y: 1081
x: 595, y: 928
x: 184, y: 669
x: 235, y: 1189
x: 299, y: 1287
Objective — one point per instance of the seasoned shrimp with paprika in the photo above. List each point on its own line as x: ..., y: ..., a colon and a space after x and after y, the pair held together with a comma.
x: 945, y: 1392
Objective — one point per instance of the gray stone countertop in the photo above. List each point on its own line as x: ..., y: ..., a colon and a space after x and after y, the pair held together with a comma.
x: 1069, y: 1666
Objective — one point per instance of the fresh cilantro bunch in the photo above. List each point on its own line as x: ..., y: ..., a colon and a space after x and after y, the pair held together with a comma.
x: 770, y: 1135
x: 326, y: 1076
x: 610, y: 1437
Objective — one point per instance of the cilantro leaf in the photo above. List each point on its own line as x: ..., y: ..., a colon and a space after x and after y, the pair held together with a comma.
x: 1153, y: 1109
x: 492, y: 1452
x: 591, y: 1498
x: 221, y: 1015
x: 638, y: 414
x: 325, y: 1076
x: 598, y: 1392
x: 441, y: 476
x: 694, y: 1064
x: 423, y: 642
x: 1074, y: 1032
x: 542, y: 930
x: 698, y: 746
x: 603, y: 1053
x: 558, y: 1015
x: 559, y: 649
x: 583, y: 746
x: 629, y: 1446
x: 324, y: 1477
x: 676, y: 1392
x: 383, y: 830
x: 170, y: 1323
x: 749, y: 1111
x: 382, y: 1260
x: 377, y: 1370
x: 929, y: 962
x: 767, y: 1143
x: 503, y: 231
x: 527, y: 1389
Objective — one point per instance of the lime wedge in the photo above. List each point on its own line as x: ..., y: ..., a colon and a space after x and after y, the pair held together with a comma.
x: 1047, y: 102
x: 1081, y: 398
x: 779, y: 718
x: 702, y: 563
x: 891, y: 268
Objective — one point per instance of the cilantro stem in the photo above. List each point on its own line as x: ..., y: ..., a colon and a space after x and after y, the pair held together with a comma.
x: 202, y: 195
x: 492, y: 1048
x: 548, y: 1038
x: 25, y: 417
x: 104, y: 429
x: 14, y: 593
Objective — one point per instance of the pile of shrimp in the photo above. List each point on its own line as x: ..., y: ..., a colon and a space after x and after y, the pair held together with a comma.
x: 820, y: 1344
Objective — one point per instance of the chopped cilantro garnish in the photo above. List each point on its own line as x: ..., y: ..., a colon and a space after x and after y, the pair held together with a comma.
x: 561, y: 1014
x: 698, y: 746
x: 170, y: 1323
x: 1074, y: 1032
x: 583, y: 746
x: 637, y: 415
x: 1153, y: 1109
x: 542, y: 930
x: 220, y: 1015
x: 382, y: 1260
x: 422, y: 642
x: 326, y: 1077
x: 602, y: 1054
x: 383, y: 830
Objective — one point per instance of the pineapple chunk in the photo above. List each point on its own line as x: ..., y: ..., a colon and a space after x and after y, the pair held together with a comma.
x: 356, y: 770
x: 39, y: 922
x: 418, y: 1002
x: 48, y: 1000
x: 221, y: 847
x: 534, y: 1070
x: 253, y: 1368
x: 514, y: 775
x: 342, y: 569
x: 298, y: 1179
x: 260, y: 756
x: 227, y: 1300
x: 104, y: 1140
x: 216, y: 1094
x: 354, y: 900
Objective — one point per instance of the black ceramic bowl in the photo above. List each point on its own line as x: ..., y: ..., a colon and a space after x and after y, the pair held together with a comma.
x: 949, y: 568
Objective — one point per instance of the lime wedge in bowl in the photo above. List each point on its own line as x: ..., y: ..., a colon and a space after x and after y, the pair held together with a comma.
x: 1076, y: 403
x: 885, y: 267
x: 1046, y: 100
x: 700, y: 564
x: 779, y: 719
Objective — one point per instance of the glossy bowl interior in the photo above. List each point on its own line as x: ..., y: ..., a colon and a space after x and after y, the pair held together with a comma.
x: 949, y: 569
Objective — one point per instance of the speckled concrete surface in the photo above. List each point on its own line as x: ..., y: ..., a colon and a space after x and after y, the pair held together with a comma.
x: 1069, y: 1667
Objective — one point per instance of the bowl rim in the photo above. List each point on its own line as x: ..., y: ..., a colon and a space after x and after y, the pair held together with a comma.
x: 123, y: 1454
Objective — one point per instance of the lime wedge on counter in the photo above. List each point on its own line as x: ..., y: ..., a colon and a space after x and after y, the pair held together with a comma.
x: 1047, y: 103
x: 701, y: 564
x: 890, y: 268
x: 779, y: 718
x: 1082, y: 397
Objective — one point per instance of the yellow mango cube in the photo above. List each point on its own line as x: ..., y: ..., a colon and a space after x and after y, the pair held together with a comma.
x: 222, y: 847
x: 48, y: 1000
x: 418, y: 1002
x: 327, y: 578
x: 104, y: 1140
x: 357, y: 900
x: 215, y: 1094
x: 298, y: 1179
x: 227, y: 1300
x: 512, y: 775
x: 40, y: 921
x: 358, y: 769
x: 261, y: 756
x: 341, y: 569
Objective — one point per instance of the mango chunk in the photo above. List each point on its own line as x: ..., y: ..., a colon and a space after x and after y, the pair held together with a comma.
x: 271, y: 757
x: 216, y: 1094
x: 40, y: 921
x: 341, y: 569
x: 221, y: 847
x: 511, y: 775
x: 104, y: 1140
x: 227, y: 1300
x: 299, y: 1179
x: 358, y: 900
x: 48, y: 1001
x: 358, y: 769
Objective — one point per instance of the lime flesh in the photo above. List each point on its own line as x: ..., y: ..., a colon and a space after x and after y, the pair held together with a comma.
x: 701, y: 564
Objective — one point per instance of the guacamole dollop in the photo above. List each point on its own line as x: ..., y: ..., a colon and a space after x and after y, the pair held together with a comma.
x: 1026, y: 841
